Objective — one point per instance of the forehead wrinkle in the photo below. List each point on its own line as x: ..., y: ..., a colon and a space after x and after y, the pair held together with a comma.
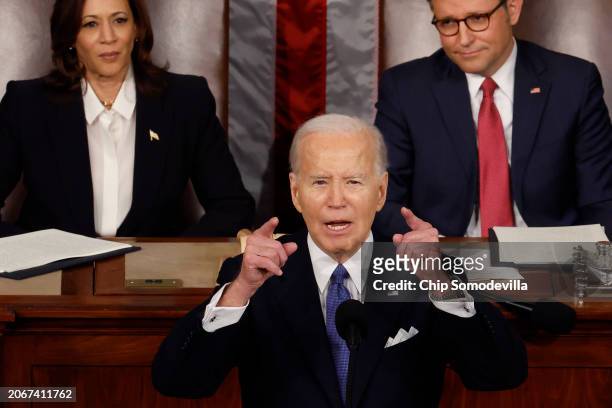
x: 316, y: 150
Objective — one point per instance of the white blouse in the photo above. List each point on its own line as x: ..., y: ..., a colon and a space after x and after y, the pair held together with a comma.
x: 111, y: 137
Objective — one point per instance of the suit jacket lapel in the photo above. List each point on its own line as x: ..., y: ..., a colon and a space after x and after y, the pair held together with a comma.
x: 453, y: 100
x: 530, y: 95
x: 382, y: 324
x: 68, y: 133
x: 152, y: 140
x: 381, y: 321
x: 298, y: 297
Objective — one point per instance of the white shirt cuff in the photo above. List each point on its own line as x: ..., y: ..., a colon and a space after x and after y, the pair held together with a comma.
x: 463, y: 307
x: 216, y: 318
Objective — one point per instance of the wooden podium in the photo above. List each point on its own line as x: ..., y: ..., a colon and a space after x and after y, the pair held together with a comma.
x: 100, y: 336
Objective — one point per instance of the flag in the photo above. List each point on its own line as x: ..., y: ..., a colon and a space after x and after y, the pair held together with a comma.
x: 289, y: 61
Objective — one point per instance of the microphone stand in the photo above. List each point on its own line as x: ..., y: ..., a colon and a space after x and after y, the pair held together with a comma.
x: 351, y: 324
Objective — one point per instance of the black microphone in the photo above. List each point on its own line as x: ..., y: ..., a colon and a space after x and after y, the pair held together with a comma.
x: 553, y: 317
x: 352, y: 326
x: 351, y: 322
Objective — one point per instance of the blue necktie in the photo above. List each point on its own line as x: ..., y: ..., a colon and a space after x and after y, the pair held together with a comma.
x: 336, y: 294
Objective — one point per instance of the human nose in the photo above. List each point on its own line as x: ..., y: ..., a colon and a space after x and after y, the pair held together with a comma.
x: 336, y: 197
x: 466, y: 36
x: 107, y: 33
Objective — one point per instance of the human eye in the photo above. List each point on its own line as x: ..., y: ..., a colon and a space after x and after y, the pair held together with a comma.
x: 319, y: 182
x: 478, y: 18
x: 446, y: 22
x: 90, y: 24
x: 354, y: 182
x: 121, y: 20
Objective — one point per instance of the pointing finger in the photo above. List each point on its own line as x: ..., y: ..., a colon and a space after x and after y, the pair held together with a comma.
x: 267, y: 229
x: 414, y: 222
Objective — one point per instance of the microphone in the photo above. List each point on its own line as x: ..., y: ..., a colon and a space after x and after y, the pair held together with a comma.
x: 351, y: 322
x: 352, y: 326
x: 553, y: 317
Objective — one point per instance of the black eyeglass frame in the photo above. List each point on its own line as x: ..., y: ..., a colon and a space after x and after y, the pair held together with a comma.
x: 488, y: 15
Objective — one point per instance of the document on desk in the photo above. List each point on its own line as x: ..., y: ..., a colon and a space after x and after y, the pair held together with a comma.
x: 33, y: 251
x: 544, y: 245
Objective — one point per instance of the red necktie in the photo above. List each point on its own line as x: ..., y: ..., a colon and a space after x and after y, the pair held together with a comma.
x: 495, y: 197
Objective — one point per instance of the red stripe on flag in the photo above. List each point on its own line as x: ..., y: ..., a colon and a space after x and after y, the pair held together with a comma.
x: 300, y: 86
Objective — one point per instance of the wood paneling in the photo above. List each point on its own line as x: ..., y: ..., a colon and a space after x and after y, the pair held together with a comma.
x: 545, y: 387
x: 121, y: 386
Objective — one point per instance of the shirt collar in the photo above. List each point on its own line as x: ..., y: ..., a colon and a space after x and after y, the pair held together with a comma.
x: 504, y: 77
x: 324, y: 265
x: 124, y: 105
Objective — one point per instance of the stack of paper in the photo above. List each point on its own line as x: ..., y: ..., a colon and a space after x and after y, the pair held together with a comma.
x: 539, y: 245
x: 36, y: 249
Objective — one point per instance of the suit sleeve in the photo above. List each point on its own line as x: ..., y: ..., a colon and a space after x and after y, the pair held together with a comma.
x: 216, y: 180
x: 10, y: 155
x: 396, y: 133
x: 193, y: 363
x: 484, y: 350
x: 594, y: 155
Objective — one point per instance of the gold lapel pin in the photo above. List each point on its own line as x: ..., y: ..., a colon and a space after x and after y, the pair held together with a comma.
x: 536, y: 90
x: 153, y: 135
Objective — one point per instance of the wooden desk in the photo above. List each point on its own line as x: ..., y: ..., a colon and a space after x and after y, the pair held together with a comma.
x: 104, y: 344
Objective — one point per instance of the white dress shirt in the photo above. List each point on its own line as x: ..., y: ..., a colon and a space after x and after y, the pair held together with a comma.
x: 504, y: 100
x: 323, y: 266
x: 111, y: 137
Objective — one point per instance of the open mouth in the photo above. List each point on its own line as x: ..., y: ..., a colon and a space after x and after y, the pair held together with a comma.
x: 338, y: 225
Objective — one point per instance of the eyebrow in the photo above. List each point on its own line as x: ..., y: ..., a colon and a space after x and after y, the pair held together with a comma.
x: 473, y: 13
x: 353, y: 176
x: 116, y: 13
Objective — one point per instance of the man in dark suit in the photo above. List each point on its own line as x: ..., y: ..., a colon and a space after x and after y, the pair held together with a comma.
x: 273, y: 316
x: 490, y: 130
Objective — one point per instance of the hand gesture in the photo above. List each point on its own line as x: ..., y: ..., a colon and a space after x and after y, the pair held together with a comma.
x: 419, y: 242
x: 421, y: 231
x: 263, y: 258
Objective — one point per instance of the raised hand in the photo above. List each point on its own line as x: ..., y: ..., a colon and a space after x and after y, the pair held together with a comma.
x: 419, y: 242
x: 421, y: 231
x: 263, y: 258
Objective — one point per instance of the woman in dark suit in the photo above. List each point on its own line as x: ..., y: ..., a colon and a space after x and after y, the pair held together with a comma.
x: 107, y: 142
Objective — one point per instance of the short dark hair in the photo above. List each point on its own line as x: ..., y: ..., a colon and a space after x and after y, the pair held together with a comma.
x: 67, y: 73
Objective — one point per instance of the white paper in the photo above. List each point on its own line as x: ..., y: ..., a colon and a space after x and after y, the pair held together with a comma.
x: 43, y: 247
x: 576, y: 233
x: 543, y: 245
x: 489, y: 272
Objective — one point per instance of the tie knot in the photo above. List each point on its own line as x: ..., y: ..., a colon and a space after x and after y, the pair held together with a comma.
x: 339, y: 275
x: 488, y: 87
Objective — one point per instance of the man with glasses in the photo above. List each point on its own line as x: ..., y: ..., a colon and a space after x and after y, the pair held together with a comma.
x: 494, y: 131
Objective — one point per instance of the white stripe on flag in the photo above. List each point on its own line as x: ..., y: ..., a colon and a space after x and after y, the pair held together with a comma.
x: 252, y: 50
x: 352, y: 57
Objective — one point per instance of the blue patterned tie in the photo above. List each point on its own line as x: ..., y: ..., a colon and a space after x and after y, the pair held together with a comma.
x: 336, y: 294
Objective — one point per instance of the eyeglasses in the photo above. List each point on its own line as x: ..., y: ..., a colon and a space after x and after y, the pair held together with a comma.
x: 449, y: 27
